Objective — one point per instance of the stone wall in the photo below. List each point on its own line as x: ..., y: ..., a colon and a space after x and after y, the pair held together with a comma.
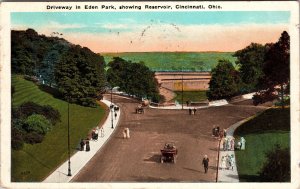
x: 192, y: 81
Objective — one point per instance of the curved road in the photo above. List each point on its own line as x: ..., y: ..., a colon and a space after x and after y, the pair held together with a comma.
x: 138, y: 159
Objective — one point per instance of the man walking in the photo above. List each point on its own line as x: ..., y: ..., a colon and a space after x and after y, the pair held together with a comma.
x: 205, y: 163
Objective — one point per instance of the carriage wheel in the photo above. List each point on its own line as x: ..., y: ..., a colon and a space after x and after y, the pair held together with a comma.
x: 161, y: 160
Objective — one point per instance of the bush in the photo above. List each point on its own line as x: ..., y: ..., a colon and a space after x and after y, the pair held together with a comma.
x: 29, y: 108
x: 16, y: 139
x: 33, y: 137
x: 37, y: 123
x: 277, y: 166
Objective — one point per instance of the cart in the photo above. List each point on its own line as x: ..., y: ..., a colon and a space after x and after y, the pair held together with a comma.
x: 168, y: 153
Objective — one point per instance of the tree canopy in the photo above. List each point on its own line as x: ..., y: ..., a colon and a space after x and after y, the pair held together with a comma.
x: 77, y: 72
x: 133, y: 78
x: 225, y: 81
x: 276, y: 69
x: 277, y: 167
x: 250, y: 61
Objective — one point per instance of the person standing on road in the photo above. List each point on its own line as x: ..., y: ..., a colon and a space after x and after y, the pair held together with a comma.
x: 205, y: 163
x: 102, y: 131
x: 87, y: 146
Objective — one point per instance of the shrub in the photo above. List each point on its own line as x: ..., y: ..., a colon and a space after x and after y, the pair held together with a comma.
x: 33, y: 137
x: 16, y: 139
x: 37, y: 123
x: 29, y: 108
x: 277, y: 166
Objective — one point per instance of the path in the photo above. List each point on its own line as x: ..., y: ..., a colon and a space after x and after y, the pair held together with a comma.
x: 81, y: 158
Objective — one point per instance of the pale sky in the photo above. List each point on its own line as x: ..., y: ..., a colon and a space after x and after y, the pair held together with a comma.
x: 158, y: 31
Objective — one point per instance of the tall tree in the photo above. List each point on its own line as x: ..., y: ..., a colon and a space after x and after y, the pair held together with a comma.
x: 276, y: 72
x: 250, y: 61
x: 80, y: 75
x: 133, y: 78
x: 225, y: 81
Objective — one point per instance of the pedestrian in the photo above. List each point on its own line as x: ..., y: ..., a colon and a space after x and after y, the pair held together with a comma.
x: 127, y: 133
x: 124, y: 133
x: 224, y: 144
x: 213, y: 131
x: 102, y: 132
x: 238, y: 145
x: 195, y: 111
x: 232, y: 161
x: 116, y: 115
x: 187, y: 103
x: 243, y: 143
x: 224, y: 132
x: 87, y: 146
x: 190, y: 111
x: 232, y: 143
x: 82, y: 145
x: 205, y: 163
x: 228, y: 144
x: 223, y: 163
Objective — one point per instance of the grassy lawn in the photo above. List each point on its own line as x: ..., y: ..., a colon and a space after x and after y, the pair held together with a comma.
x: 174, y: 61
x: 194, y: 96
x: 35, y: 162
x: 261, y: 134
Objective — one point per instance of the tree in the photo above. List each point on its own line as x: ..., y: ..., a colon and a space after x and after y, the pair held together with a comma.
x: 79, y: 75
x: 250, y: 61
x: 133, y: 78
x: 276, y: 72
x: 225, y: 81
x: 277, y: 166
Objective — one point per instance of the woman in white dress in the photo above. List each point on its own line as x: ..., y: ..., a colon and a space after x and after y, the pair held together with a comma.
x: 223, y: 163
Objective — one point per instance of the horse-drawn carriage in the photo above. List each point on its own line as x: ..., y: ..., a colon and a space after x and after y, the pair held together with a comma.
x: 169, y: 153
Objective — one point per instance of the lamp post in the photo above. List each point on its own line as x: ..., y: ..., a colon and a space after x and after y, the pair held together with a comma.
x: 111, y: 109
x: 69, y: 162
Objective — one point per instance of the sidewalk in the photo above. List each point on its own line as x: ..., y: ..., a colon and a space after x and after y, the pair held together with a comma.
x: 81, y: 158
x: 229, y: 175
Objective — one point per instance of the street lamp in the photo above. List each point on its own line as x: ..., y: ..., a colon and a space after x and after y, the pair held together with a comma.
x: 111, y: 109
x: 69, y: 162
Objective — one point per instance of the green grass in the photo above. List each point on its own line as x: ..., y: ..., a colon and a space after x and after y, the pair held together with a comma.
x: 174, y: 61
x: 261, y: 134
x: 194, y: 96
x: 35, y: 162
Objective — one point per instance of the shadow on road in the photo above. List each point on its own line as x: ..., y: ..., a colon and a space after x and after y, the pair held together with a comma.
x: 193, y: 170
x: 212, y: 167
x: 154, y: 158
x: 153, y: 179
x: 214, y: 149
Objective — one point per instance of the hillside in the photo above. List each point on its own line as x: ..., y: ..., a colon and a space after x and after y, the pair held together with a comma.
x: 35, y: 162
x: 174, y: 61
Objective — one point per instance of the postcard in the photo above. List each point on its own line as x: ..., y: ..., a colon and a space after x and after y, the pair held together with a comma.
x: 200, y: 94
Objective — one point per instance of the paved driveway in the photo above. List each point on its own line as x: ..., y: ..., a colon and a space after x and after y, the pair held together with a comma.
x: 138, y: 159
